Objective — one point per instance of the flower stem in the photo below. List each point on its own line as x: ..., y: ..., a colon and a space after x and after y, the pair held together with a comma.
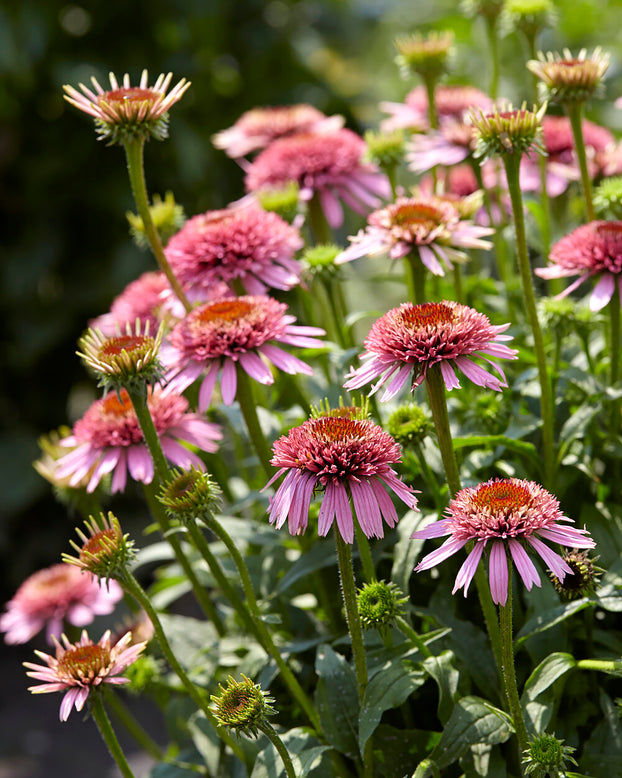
x: 270, y: 732
x: 244, y: 395
x: 135, y: 590
x: 260, y: 628
x: 491, y: 29
x: 508, y: 670
x: 320, y: 229
x: 416, y: 277
x: 134, y: 154
x: 614, y: 349
x: 348, y: 590
x: 413, y: 636
x: 107, y: 733
x: 575, y: 113
x: 136, y: 730
x: 512, y: 165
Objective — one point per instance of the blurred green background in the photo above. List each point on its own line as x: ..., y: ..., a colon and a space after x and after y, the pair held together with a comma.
x: 65, y: 247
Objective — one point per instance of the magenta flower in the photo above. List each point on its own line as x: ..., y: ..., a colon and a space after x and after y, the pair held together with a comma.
x: 593, y: 249
x: 505, y: 512
x: 52, y: 595
x: 429, y: 224
x: 452, y: 102
x: 347, y: 458
x: 78, y: 668
x: 259, y: 127
x: 220, y: 334
x: 246, y: 245
x: 329, y: 164
x: 108, y: 439
x: 408, y: 340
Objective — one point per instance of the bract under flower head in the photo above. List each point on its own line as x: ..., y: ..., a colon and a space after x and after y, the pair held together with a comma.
x: 125, y: 112
x: 52, y: 595
x: 79, y: 668
x: 510, y: 131
x: 108, y: 439
x: 329, y: 164
x: 407, y: 341
x: 593, y: 249
x: 246, y: 245
x: 347, y: 457
x: 259, y: 127
x: 428, y: 224
x: 505, y: 513
x: 568, y: 79
x: 243, y: 330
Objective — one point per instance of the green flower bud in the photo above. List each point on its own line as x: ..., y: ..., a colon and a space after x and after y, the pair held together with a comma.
x: 242, y: 706
x: 379, y: 604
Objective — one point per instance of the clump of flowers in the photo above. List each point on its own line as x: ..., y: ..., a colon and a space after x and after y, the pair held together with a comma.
x: 168, y: 217
x: 348, y: 458
x: 408, y: 340
x: 501, y: 515
x: 380, y: 604
x: 125, y: 112
x: 242, y: 706
x: 568, y: 79
x: 53, y: 595
x: 78, y: 669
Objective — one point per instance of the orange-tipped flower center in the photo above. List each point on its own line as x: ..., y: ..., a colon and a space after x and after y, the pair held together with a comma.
x: 331, y: 428
x: 417, y: 213
x: 84, y: 661
x: 225, y: 310
x: 427, y: 315
x: 501, y: 497
x: 115, y: 346
x: 101, y: 542
x: 133, y: 94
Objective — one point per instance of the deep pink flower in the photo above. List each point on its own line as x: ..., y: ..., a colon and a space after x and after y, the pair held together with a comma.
x: 78, y: 668
x: 452, y: 102
x: 329, y: 164
x: 408, y: 340
x: 505, y: 512
x: 259, y: 127
x: 593, y: 249
x: 245, y: 244
x: 52, y: 595
x: 222, y: 333
x: 108, y: 439
x: 429, y: 224
x: 347, y: 457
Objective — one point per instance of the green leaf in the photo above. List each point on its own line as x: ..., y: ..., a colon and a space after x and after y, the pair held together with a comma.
x: 337, y: 701
x: 522, y: 447
x: 550, y: 670
x: 473, y: 721
x: 550, y: 618
x: 406, y: 549
x: 401, y: 749
x: 190, y: 640
x: 390, y: 687
x: 576, y: 426
x: 304, y: 750
x: 446, y: 676
x: 321, y: 555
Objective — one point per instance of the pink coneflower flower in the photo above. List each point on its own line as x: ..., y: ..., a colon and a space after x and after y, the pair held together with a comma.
x: 220, y: 334
x: 505, y: 512
x: 52, y: 595
x: 330, y: 164
x: 408, y: 340
x: 593, y: 249
x: 246, y: 245
x: 259, y: 127
x: 125, y: 111
x: 429, y: 224
x: 79, y: 668
x: 347, y: 457
x: 108, y: 439
x: 451, y: 144
x: 452, y: 102
x: 141, y: 299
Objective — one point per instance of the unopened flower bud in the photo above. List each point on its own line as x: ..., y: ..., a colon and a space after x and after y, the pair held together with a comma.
x: 380, y: 604
x: 409, y: 425
x: 547, y: 757
x: 568, y: 79
x: 190, y: 495
x: 426, y: 55
x: 168, y: 218
x: 584, y: 578
x: 105, y: 551
x: 242, y: 706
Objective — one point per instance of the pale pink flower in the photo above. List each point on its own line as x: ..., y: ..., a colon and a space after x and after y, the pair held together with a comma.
x: 245, y: 330
x: 346, y: 457
x: 407, y: 341
x: 50, y: 596
x: 429, y: 224
x: 246, y: 245
x: 108, y: 439
x: 79, y: 668
x: 593, y: 249
x: 329, y: 164
x: 259, y: 127
x: 451, y: 144
x: 510, y: 513
x: 452, y: 102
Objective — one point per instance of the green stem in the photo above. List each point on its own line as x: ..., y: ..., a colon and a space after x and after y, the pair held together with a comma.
x: 320, y: 229
x: 416, y: 277
x: 614, y: 350
x: 335, y: 314
x: 260, y: 628
x: 134, y: 155
x: 509, y: 673
x: 602, y: 665
x: 458, y: 283
x: 107, y: 733
x: 135, y: 590
x: 413, y: 636
x: 575, y: 113
x: 134, y: 727
x: 512, y: 166
x: 270, y: 732
x: 491, y: 29
x: 348, y: 590
x: 430, y: 84
x: 244, y: 395
x: 369, y: 570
